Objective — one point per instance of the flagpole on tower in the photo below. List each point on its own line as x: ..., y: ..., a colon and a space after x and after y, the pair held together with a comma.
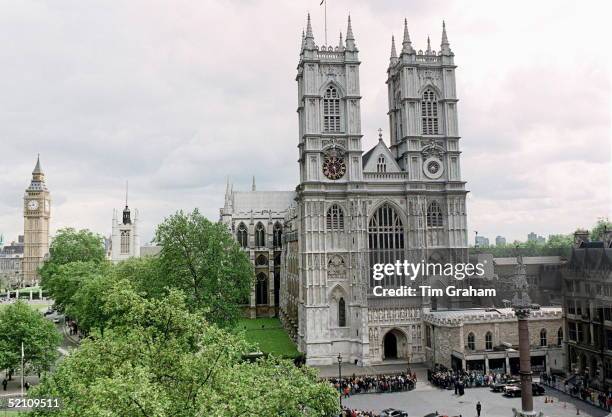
x: 324, y: 3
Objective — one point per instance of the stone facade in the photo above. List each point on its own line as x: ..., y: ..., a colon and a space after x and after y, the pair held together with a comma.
x: 587, y: 298
x: 351, y: 209
x: 487, y: 339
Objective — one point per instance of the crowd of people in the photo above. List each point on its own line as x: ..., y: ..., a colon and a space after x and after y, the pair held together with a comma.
x: 374, y: 383
x: 461, y: 379
x: 349, y: 412
x: 579, y: 386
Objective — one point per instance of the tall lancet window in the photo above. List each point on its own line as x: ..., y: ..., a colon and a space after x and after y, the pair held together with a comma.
x: 125, y: 242
x: 331, y: 110
x: 242, y: 236
x: 386, y: 243
x: 335, y: 219
x: 260, y: 235
x: 429, y: 112
x: 278, y: 236
x: 341, y: 313
x: 434, y: 215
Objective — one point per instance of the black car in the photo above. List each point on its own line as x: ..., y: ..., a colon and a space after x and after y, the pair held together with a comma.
x: 499, y: 386
x: 515, y: 390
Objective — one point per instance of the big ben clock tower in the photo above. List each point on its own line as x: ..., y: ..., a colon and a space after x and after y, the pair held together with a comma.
x: 36, y: 214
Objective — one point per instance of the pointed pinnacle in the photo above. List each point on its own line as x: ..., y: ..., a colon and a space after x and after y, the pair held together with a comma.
x: 341, y: 42
x: 349, y: 30
x: 428, y: 45
x: 309, y: 28
x: 393, y: 52
x: 444, y: 37
x: 406, y: 43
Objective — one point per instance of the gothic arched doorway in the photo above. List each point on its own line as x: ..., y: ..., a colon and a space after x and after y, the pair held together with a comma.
x: 394, y: 345
x: 390, y: 345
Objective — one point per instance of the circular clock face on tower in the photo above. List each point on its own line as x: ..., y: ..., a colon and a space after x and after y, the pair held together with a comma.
x: 433, y: 167
x: 334, y: 167
x: 32, y: 205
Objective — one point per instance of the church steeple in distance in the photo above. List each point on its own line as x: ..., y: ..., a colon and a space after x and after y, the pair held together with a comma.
x: 127, y: 218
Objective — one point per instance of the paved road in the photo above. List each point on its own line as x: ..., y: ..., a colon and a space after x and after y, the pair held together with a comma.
x: 426, y: 399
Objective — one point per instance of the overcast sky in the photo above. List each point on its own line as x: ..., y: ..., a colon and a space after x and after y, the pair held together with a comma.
x: 176, y: 95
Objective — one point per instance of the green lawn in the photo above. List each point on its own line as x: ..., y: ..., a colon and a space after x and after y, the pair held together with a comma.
x: 38, y: 306
x: 269, y: 335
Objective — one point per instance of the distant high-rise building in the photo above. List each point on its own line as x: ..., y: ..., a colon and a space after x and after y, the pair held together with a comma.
x: 533, y: 237
x: 36, y: 214
x: 500, y: 241
x: 481, y: 241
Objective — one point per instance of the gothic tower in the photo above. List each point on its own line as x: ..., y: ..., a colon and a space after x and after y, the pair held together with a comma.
x: 125, y: 241
x: 330, y: 202
x: 36, y: 215
x: 424, y: 138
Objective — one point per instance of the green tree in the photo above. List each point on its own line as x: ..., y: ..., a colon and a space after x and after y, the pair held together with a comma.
x: 202, y: 259
x: 599, y: 227
x: 21, y: 323
x: 70, y: 245
x: 68, y: 278
x: 158, y: 359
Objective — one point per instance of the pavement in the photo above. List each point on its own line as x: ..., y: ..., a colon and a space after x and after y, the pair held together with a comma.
x: 389, y: 367
x: 426, y: 398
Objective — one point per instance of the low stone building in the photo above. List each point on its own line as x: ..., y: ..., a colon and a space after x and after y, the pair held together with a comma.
x: 487, y: 339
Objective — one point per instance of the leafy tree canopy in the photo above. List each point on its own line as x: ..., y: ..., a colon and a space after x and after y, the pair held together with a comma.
x: 159, y: 359
x: 21, y: 323
x: 602, y: 225
x: 202, y: 259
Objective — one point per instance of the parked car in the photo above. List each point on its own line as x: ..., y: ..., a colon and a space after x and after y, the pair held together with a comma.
x: 512, y: 391
x: 515, y: 390
x: 499, y: 386
x: 49, y: 311
x: 392, y: 412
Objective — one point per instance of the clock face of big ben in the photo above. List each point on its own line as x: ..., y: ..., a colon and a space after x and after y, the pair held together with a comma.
x: 32, y: 205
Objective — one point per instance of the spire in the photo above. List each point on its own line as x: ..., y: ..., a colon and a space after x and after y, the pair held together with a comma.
x: 228, y: 194
x: 350, y: 38
x: 253, y: 188
x: 38, y: 177
x: 407, y: 44
x: 37, y: 168
x: 445, y: 46
x: 309, y: 38
x: 127, y: 218
x: 341, y: 43
x: 428, y: 46
x: 393, y: 58
x: 303, y: 41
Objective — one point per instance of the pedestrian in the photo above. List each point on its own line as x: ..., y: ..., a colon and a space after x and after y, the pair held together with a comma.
x: 478, y: 408
x: 27, y: 385
x: 4, y: 384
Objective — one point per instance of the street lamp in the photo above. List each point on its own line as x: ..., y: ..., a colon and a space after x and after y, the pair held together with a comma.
x: 522, y: 306
x: 340, y: 377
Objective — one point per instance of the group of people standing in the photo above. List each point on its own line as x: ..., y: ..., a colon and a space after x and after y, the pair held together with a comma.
x: 374, y: 383
x: 461, y: 379
x: 349, y: 412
